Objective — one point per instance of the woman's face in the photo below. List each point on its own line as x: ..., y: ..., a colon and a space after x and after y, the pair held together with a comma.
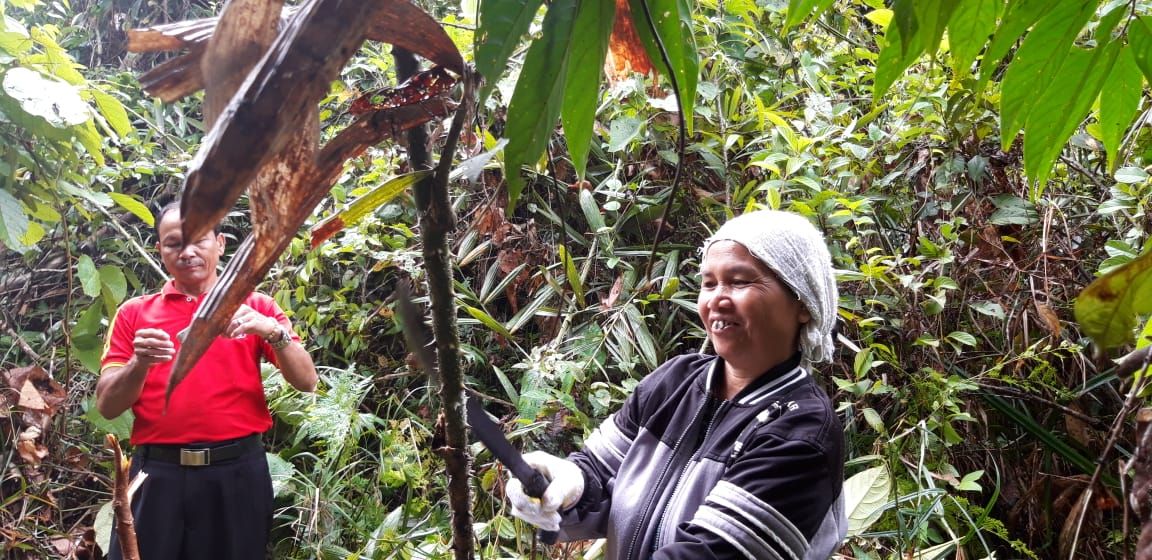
x: 752, y: 317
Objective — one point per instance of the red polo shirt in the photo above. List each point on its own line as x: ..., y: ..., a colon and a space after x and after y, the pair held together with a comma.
x: 222, y: 397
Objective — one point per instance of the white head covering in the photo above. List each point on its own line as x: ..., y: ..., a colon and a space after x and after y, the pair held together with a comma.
x: 795, y: 250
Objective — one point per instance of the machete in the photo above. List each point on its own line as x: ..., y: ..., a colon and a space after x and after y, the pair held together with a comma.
x: 483, y: 427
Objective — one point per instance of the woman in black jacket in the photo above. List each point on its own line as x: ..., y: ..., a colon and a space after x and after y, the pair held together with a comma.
x: 733, y: 455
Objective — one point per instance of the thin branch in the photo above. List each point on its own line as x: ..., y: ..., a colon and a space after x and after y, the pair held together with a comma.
x: 1096, y: 180
x: 132, y: 241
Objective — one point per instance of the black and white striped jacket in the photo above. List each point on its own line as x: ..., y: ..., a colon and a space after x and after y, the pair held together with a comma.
x: 679, y: 474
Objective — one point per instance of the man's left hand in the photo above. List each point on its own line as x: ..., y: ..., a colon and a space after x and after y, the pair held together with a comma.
x: 249, y: 321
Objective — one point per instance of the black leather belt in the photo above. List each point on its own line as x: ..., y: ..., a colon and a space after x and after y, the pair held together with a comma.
x: 201, y: 455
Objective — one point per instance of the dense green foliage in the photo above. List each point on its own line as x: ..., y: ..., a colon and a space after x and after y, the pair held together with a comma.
x: 976, y: 410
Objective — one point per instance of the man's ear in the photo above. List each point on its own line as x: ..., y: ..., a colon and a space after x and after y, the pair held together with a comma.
x: 220, y: 243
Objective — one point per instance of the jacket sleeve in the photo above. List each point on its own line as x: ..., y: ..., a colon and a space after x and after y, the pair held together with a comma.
x: 773, y: 502
x: 603, y: 453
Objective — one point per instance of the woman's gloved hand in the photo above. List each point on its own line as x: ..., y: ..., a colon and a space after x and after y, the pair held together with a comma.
x: 565, y: 486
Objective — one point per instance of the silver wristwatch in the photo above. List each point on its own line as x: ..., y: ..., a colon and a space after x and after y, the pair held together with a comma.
x: 281, y: 341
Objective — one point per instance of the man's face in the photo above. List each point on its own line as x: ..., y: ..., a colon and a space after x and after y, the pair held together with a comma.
x: 752, y: 317
x: 194, y: 266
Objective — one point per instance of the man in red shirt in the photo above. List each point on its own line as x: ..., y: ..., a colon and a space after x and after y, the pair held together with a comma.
x: 208, y: 493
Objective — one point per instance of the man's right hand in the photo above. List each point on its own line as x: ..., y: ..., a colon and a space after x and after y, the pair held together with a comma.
x: 152, y: 346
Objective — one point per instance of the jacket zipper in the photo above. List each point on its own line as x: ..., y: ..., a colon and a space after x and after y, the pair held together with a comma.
x: 680, y: 479
x: 644, y: 513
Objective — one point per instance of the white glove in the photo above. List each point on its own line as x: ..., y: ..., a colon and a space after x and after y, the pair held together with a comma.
x: 566, y: 485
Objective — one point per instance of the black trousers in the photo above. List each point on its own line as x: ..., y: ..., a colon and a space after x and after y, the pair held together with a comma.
x: 218, y: 512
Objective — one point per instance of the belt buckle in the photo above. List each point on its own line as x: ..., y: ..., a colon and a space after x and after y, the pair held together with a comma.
x: 194, y: 458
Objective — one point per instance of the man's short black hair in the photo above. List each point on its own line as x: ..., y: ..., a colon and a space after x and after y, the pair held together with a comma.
x: 175, y: 205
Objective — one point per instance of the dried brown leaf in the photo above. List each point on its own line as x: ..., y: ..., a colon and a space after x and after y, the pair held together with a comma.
x: 626, y: 53
x: 30, y: 398
x: 1048, y: 317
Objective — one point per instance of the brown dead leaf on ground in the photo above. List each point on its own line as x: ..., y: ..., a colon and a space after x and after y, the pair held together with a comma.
x: 29, y: 449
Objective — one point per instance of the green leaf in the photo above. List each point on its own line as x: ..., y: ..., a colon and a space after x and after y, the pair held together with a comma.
x: 590, y: 36
x: 573, y: 276
x: 1035, y: 66
x: 89, y: 277
x: 282, y: 472
x: 622, y: 131
x: 113, y: 280
x: 865, y: 495
x: 134, y: 206
x: 536, y: 102
x: 13, y: 223
x: 102, y: 525
x: 502, y: 24
x: 591, y: 210
x: 365, y: 205
x: 969, y: 484
x: 1130, y: 175
x: 961, y: 337
x: 483, y: 317
x: 800, y: 10
x: 14, y: 38
x: 56, y: 102
x: 1013, y: 210
x: 1062, y: 107
x: 673, y: 22
x: 26, y: 5
x: 113, y: 112
x: 1018, y: 17
x: 120, y: 426
x: 1119, y: 99
x: 918, y: 28
x: 88, y: 137
x: 968, y: 30
x: 1107, y: 308
x: 1140, y: 40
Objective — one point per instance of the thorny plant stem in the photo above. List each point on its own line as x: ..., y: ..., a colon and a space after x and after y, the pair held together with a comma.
x: 436, y: 219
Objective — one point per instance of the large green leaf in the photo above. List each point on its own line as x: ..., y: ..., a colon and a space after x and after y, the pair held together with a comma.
x: 56, y: 102
x: 13, y: 222
x: 134, y: 206
x: 916, y: 28
x: 536, y: 102
x: 1036, y: 63
x: 1018, y: 17
x: 113, y: 112
x: 365, y: 205
x: 581, y: 96
x: 968, y: 30
x: 114, y: 282
x: 502, y: 24
x: 1063, y: 105
x: 1119, y: 99
x: 673, y: 22
x: 865, y: 495
x: 1140, y: 39
x: 799, y: 10
x: 1107, y: 308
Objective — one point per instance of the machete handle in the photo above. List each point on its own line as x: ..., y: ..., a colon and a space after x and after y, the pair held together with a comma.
x: 535, y: 487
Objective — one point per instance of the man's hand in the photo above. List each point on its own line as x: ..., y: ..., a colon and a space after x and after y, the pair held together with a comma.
x: 152, y: 346
x: 249, y: 321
